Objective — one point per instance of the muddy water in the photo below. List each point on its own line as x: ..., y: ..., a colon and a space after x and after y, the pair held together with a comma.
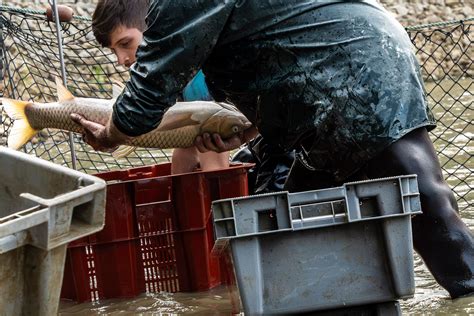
x: 429, y: 299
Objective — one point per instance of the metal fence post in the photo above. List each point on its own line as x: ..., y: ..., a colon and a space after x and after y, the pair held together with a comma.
x: 54, y: 6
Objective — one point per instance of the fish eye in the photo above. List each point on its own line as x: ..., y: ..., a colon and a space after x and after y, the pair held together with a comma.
x: 235, y: 129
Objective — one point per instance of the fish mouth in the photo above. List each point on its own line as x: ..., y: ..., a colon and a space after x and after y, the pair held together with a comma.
x: 247, y: 124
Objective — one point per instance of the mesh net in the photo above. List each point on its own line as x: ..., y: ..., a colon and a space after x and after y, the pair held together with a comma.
x: 446, y: 54
x: 30, y: 62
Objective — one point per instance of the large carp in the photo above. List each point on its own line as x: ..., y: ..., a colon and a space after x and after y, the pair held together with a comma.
x: 179, y: 126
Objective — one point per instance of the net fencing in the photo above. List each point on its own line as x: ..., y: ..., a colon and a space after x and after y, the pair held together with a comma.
x: 30, y: 62
x: 446, y: 53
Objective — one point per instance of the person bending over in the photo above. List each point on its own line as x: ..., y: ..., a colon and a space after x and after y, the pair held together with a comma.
x: 335, y: 80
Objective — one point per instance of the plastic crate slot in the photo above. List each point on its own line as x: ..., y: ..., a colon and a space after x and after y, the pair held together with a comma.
x: 318, y: 214
x: 225, y: 228
x: 80, y: 214
x: 94, y: 293
x: 223, y: 219
x: 19, y: 215
x: 267, y: 220
x: 315, y: 210
x: 223, y: 211
x: 369, y: 207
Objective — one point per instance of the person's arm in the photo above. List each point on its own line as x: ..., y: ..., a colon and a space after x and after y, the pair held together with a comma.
x: 181, y: 35
x: 101, y: 137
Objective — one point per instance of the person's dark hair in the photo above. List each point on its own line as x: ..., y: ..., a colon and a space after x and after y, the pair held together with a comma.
x: 109, y: 14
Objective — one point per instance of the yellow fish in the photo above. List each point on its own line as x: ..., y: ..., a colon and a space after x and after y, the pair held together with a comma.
x: 179, y: 126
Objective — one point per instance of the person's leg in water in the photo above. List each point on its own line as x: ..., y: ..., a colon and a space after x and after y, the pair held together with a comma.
x: 184, y: 160
x: 212, y: 160
x: 189, y: 159
x: 439, y: 235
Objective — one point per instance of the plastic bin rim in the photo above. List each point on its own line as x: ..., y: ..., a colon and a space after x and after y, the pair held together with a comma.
x: 135, y: 238
x: 43, y: 163
x: 65, y: 197
x: 238, y: 166
x: 255, y: 196
x: 399, y: 177
x: 295, y: 230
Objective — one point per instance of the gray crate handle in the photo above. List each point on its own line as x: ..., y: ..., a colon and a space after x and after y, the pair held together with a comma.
x: 355, y: 201
x: 23, y: 227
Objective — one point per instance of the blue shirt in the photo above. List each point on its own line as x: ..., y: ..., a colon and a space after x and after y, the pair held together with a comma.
x: 196, y: 89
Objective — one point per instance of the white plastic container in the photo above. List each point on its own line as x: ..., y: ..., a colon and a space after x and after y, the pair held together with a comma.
x: 43, y: 206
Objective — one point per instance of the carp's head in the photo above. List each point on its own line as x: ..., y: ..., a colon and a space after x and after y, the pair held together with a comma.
x: 226, y: 122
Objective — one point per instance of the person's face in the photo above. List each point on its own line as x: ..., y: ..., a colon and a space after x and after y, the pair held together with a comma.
x: 124, y: 42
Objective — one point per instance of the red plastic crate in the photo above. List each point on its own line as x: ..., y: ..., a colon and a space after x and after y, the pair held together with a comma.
x: 158, y: 235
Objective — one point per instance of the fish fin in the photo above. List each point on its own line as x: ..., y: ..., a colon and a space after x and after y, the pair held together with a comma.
x: 174, y: 120
x: 63, y: 93
x: 228, y: 106
x: 123, y: 151
x: 117, y: 88
x: 21, y: 131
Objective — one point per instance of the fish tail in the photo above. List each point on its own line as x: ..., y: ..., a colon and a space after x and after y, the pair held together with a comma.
x: 123, y: 151
x: 21, y: 131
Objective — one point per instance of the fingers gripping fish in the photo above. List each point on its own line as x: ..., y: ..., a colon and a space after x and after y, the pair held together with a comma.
x: 179, y: 126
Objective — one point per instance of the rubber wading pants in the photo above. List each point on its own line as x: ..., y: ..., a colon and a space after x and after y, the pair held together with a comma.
x: 272, y: 165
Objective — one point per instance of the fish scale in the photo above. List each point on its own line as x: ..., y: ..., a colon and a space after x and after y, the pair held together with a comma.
x: 178, y: 138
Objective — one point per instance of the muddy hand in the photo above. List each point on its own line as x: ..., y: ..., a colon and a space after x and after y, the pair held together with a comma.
x: 95, y: 134
x: 214, y: 142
